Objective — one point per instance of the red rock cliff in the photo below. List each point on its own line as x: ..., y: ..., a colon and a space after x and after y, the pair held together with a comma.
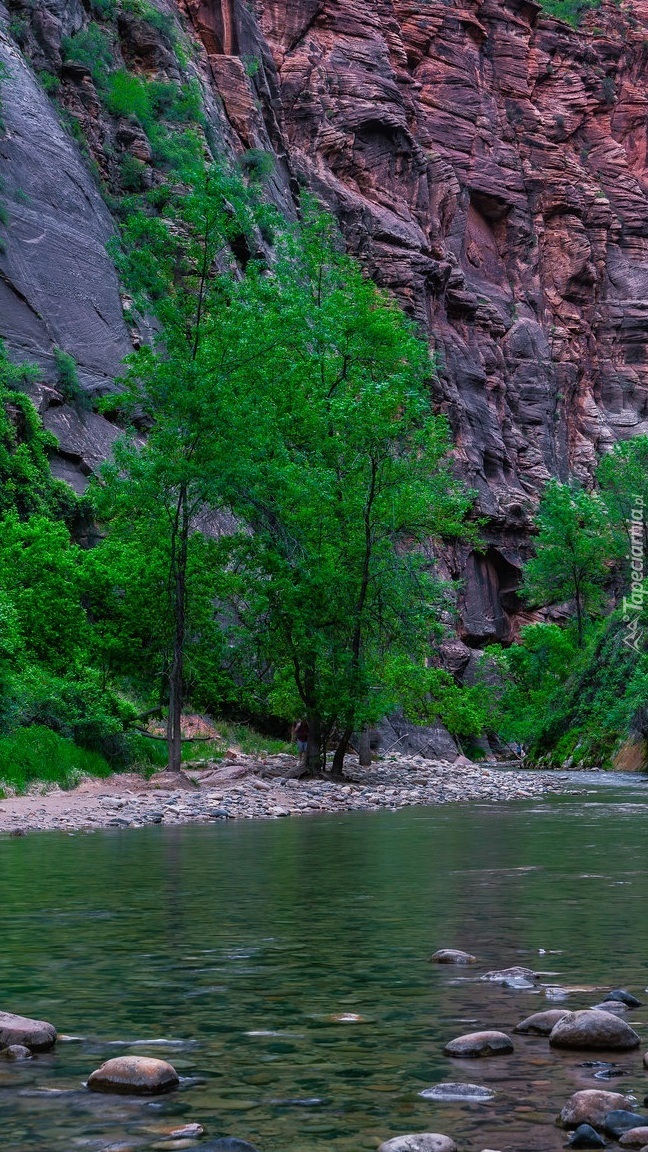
x: 488, y: 164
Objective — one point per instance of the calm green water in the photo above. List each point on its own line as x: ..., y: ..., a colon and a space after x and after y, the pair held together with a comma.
x: 235, y: 945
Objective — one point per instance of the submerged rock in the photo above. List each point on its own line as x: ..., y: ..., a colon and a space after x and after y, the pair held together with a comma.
x: 540, y: 1023
x: 515, y: 977
x: 614, y: 1007
x: 457, y: 1092
x: 452, y: 956
x: 37, y: 1035
x: 585, y: 1137
x: 593, y: 1029
x: 623, y: 997
x: 15, y: 1052
x: 476, y: 1044
x: 622, y: 1120
x: 134, y: 1075
x: 591, y: 1106
x: 228, y: 1144
x: 634, y: 1138
x: 419, y: 1142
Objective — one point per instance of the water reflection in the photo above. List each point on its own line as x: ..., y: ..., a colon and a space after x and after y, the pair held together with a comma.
x: 282, y: 967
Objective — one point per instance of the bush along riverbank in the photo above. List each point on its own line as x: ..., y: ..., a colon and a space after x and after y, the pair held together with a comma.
x: 248, y: 787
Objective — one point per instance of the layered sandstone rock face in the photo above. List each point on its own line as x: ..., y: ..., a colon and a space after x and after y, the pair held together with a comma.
x: 488, y: 164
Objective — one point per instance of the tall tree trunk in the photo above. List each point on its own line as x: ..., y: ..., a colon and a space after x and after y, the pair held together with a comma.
x: 315, y: 757
x: 337, y: 768
x: 364, y: 749
x: 178, y: 589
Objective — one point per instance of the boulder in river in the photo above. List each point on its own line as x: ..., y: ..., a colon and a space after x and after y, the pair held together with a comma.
x: 634, y: 1138
x: 15, y: 1052
x: 452, y: 956
x: 585, y: 1137
x: 37, y: 1035
x: 476, y: 1044
x: 134, y: 1076
x: 591, y: 1106
x: 419, y: 1142
x: 540, y: 1023
x: 591, y: 1029
x: 622, y: 1120
x: 623, y: 997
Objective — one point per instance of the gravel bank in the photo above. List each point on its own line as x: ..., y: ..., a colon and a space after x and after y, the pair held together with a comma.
x: 247, y: 787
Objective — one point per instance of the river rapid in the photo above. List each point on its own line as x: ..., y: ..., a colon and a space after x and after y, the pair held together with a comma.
x: 282, y: 967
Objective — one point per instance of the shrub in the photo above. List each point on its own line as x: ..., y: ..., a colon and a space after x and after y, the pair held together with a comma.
x: 93, y: 47
x: 68, y: 381
x: 37, y: 753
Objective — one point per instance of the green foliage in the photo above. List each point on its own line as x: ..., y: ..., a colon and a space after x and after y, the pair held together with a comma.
x: 50, y: 83
x: 574, y: 551
x: 132, y: 173
x: 26, y: 483
x: 257, y: 164
x: 37, y: 753
x: 146, y: 11
x: 67, y: 379
x: 428, y: 695
x: 571, y: 11
x: 93, y: 47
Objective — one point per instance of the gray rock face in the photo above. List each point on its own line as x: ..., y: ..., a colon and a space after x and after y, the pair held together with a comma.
x: 134, y: 1076
x: 540, y: 1023
x: 419, y: 1142
x: 57, y: 283
x: 586, y: 1137
x: 590, y: 1107
x: 478, y: 1044
x: 622, y: 1120
x: 398, y: 735
x: 592, y: 1030
x: 37, y: 1035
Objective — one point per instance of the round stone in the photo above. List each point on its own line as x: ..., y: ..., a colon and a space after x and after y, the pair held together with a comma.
x: 615, y: 1007
x: 37, y: 1035
x: 452, y: 956
x: 419, y: 1142
x: 540, y: 1023
x: 16, y: 1052
x: 476, y: 1044
x: 634, y: 1138
x: 591, y: 1029
x: 134, y: 1076
x: 585, y: 1137
x: 591, y: 1106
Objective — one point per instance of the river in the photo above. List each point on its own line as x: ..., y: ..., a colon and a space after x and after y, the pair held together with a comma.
x: 230, y: 950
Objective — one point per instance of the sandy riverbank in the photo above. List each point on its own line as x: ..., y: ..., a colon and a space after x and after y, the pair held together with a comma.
x: 251, y: 787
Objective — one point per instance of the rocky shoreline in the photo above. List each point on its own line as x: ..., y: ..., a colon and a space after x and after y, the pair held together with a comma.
x: 252, y: 787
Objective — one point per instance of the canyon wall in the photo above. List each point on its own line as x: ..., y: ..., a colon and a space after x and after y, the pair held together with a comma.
x: 487, y: 163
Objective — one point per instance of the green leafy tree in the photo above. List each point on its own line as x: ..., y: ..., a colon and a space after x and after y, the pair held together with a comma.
x: 574, y: 551
x: 159, y: 491
x: 345, y: 483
